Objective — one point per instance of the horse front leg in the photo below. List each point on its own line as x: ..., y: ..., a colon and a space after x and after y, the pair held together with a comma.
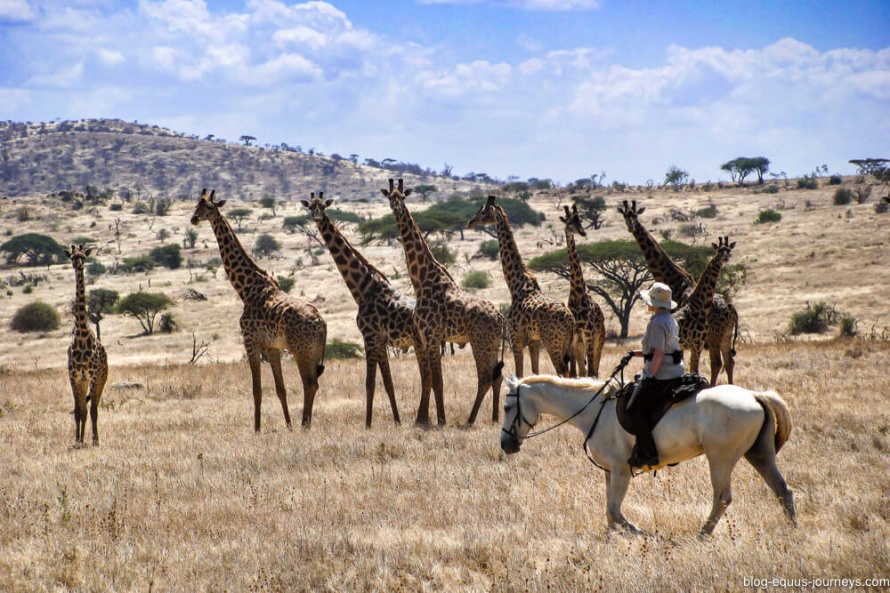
x: 617, y: 482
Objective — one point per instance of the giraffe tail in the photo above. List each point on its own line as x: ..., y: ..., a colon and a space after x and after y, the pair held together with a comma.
x: 496, y: 373
x: 735, y: 336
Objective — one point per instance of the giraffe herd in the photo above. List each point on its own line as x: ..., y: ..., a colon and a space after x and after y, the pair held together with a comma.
x: 441, y: 311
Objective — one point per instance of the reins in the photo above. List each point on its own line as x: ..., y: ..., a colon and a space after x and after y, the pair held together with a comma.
x: 513, y: 432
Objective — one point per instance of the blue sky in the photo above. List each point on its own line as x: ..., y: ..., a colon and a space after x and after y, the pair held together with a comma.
x: 558, y: 89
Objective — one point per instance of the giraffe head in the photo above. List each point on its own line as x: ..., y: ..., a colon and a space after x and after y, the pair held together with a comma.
x: 724, y: 248
x: 317, y: 205
x: 572, y: 220
x: 397, y: 196
x: 206, y: 206
x: 485, y: 215
x: 78, y: 255
x: 630, y: 213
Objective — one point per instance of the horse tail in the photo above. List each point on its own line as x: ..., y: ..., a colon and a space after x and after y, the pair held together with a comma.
x: 775, y: 406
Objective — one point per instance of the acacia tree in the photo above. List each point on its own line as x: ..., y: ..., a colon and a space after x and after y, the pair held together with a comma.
x: 99, y: 302
x: 39, y: 249
x: 620, y: 272
x: 425, y: 191
x: 590, y: 209
x: 675, y: 177
x: 144, y: 306
x: 739, y: 168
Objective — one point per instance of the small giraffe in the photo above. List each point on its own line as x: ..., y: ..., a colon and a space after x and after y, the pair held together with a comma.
x: 385, y: 316
x: 271, y: 320
x: 445, y: 312
x: 694, y: 326
x: 535, y: 318
x: 588, y: 315
x: 87, y: 361
x: 722, y: 317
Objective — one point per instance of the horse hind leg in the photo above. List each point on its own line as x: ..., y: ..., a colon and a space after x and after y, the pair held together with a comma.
x: 762, y: 456
x: 617, y: 482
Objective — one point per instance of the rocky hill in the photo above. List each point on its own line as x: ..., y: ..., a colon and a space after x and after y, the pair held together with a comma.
x: 141, y: 161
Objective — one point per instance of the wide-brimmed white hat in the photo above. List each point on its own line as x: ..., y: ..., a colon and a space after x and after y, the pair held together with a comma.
x: 659, y: 295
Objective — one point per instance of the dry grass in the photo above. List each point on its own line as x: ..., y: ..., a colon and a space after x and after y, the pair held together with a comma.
x: 183, y: 496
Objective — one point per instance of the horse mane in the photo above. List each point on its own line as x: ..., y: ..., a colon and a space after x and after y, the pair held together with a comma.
x: 586, y: 383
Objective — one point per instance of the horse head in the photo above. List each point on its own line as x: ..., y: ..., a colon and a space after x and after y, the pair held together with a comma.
x: 520, y: 416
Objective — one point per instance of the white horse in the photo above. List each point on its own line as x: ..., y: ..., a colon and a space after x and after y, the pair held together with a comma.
x: 724, y: 423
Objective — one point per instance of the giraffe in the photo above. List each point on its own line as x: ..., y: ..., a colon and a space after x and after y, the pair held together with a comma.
x: 694, y: 326
x: 445, y: 312
x: 385, y: 316
x: 588, y: 315
x: 535, y: 317
x: 271, y: 320
x: 87, y: 361
x: 722, y: 319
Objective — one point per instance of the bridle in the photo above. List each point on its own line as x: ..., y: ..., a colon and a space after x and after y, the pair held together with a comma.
x: 513, y: 430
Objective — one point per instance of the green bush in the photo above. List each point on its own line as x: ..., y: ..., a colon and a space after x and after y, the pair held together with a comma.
x: 144, y: 306
x: 443, y: 254
x: 771, y: 189
x: 286, y: 283
x: 835, y: 180
x: 132, y: 265
x: 36, y: 317
x: 168, y: 256
x: 842, y: 196
x: 807, y: 182
x: 709, y: 211
x: 167, y: 323
x: 490, y: 249
x: 882, y: 207
x: 815, y: 319
x: 266, y: 245
x: 768, y: 215
x: 849, y: 326
x: 475, y: 279
x: 340, y: 349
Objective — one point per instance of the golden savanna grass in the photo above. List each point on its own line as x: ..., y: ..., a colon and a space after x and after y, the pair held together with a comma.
x: 182, y: 495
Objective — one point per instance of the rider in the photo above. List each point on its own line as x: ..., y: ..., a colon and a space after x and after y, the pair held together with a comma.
x: 663, y: 364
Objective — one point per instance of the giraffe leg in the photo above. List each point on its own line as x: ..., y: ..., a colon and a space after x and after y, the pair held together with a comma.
x: 486, y: 363
x: 274, y: 355
x: 253, y: 359
x: 426, y: 384
x: 728, y: 356
x: 534, y: 353
x: 80, y: 390
x: 694, y: 357
x: 96, y: 391
x: 435, y: 365
x: 309, y: 364
x: 581, y: 348
x: 517, y: 345
x: 388, y: 385
x: 716, y: 364
x: 371, y: 359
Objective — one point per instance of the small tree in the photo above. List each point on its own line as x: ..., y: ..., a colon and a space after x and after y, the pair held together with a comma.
x: 675, y: 177
x: 270, y: 203
x: 36, y: 317
x: 475, y: 279
x: 238, y: 215
x: 168, y: 256
x: 144, y: 306
x: 266, y: 245
x: 190, y: 238
x: 591, y: 209
x: 425, y: 191
x: 39, y: 249
x: 99, y: 302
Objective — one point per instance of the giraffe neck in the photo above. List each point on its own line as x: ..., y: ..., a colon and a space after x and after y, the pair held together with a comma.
x: 661, y: 266
x: 81, y: 325
x: 578, y: 291
x: 703, y: 295
x: 247, y: 278
x: 518, y: 278
x: 362, y: 278
x: 423, y: 268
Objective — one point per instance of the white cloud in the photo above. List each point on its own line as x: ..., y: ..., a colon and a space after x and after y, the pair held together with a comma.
x: 552, y: 5
x: 16, y: 11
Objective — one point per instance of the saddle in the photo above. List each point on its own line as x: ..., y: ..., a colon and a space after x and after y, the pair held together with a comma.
x: 657, y: 404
